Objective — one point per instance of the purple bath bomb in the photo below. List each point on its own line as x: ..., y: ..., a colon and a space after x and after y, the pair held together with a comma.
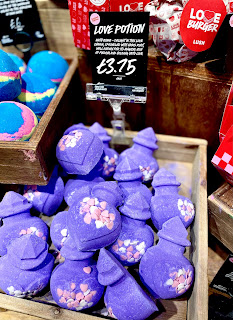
x: 167, y: 203
x: 93, y: 222
x: 163, y: 268
x: 124, y: 298
x: 79, y: 151
x: 111, y: 156
x: 58, y: 230
x: 46, y: 199
x: 74, y: 283
x: 110, y: 191
x: 129, y: 179
x: 17, y: 221
x: 26, y: 268
x: 142, y: 153
x: 135, y: 238
x: 74, y: 127
x: 73, y: 188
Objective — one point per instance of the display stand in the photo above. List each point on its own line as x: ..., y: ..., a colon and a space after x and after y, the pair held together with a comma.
x: 116, y: 95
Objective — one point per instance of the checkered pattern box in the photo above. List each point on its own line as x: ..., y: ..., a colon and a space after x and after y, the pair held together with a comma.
x: 223, y: 158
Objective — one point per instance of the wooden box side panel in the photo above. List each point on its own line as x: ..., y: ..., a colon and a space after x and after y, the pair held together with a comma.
x: 198, y: 302
x: 220, y: 205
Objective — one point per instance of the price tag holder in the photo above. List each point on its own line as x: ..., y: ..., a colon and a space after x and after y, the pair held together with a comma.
x: 119, y: 48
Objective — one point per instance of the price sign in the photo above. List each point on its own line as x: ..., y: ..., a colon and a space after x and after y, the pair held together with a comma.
x: 19, y: 20
x: 119, y: 44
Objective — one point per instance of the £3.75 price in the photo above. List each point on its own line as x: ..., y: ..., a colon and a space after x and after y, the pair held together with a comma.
x: 124, y: 66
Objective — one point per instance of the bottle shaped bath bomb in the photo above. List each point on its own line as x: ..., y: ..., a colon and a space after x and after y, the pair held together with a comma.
x: 129, y: 179
x: 79, y: 151
x: 26, y: 268
x: 111, y: 156
x: 46, y: 199
x: 74, y: 284
x: 163, y: 268
x: 136, y: 236
x: 142, y: 153
x: 124, y: 298
x: 93, y: 220
x: 17, y: 221
x: 167, y: 203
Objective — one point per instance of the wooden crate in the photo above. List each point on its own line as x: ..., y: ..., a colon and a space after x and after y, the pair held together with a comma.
x: 32, y: 162
x: 220, y: 204
x: 185, y: 157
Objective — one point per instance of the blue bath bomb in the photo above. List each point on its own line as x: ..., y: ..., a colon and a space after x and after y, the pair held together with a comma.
x: 19, y: 62
x: 37, y: 92
x: 48, y: 63
x: 10, y: 78
x: 17, y: 121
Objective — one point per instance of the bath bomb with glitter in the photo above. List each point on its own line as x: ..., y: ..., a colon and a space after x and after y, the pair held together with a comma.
x: 74, y: 283
x: 50, y: 64
x: 142, y: 153
x: 46, y: 199
x: 129, y: 179
x: 167, y: 203
x: 37, y: 92
x: 17, y: 121
x: 19, y: 62
x: 124, y: 298
x: 136, y: 236
x: 93, y: 221
x: 79, y: 151
x: 163, y: 268
x: 111, y: 156
x: 73, y: 186
x: 26, y: 268
x: 10, y: 78
x: 17, y: 220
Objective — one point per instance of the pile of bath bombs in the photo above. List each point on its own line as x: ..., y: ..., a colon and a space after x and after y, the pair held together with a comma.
x: 26, y: 91
x: 104, y: 231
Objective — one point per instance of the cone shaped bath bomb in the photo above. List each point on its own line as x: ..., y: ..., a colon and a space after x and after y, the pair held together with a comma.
x: 79, y: 151
x: 19, y: 62
x: 167, y: 203
x: 50, y: 64
x: 17, y: 122
x: 10, y: 78
x: 17, y: 221
x: 142, y: 153
x: 111, y: 156
x: 129, y: 179
x: 37, y: 92
x: 163, y: 268
x: 26, y: 268
x: 93, y: 222
x: 74, y: 284
x: 124, y: 298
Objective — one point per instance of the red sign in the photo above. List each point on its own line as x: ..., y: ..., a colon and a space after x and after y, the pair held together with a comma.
x: 200, y: 22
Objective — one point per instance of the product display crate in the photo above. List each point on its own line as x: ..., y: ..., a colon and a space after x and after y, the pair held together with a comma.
x: 220, y: 205
x: 32, y: 162
x: 186, y: 158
